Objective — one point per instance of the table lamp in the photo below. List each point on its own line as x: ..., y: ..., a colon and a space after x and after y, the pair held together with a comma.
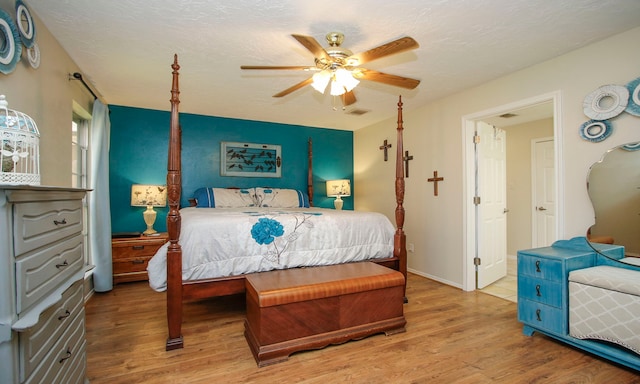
x: 338, y: 189
x: 149, y: 196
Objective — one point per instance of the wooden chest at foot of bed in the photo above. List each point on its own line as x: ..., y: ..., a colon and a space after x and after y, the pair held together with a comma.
x: 310, y: 308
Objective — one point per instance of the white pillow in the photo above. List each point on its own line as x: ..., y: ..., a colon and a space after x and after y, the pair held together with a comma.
x: 281, y: 198
x: 224, y: 197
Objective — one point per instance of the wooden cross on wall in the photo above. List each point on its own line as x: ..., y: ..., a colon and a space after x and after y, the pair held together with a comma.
x: 385, y: 147
x: 435, y: 179
x: 406, y: 159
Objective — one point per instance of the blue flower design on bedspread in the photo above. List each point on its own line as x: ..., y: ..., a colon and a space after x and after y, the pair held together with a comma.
x: 271, y: 232
x: 266, y: 230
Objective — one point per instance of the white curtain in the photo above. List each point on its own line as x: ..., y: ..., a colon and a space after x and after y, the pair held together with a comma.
x: 99, y: 207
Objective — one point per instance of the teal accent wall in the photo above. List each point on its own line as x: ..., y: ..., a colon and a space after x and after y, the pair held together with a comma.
x: 140, y: 142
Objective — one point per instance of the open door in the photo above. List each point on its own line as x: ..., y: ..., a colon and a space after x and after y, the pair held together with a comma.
x: 491, y: 205
x: 519, y: 112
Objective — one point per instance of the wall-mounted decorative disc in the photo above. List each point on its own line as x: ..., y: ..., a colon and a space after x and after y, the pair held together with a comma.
x: 606, y: 102
x: 26, y: 26
x: 33, y: 54
x: 10, y: 47
x: 631, y: 147
x: 633, y: 107
x: 595, y: 130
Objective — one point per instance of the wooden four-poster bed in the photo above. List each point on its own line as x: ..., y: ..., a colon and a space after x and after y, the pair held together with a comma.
x: 180, y: 290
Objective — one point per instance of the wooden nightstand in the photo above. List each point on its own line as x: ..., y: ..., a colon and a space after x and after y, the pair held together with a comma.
x: 131, y: 256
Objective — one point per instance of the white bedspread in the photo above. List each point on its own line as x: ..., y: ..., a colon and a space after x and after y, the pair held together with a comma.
x: 218, y: 242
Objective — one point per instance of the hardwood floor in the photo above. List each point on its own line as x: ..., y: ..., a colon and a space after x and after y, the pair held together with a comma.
x: 452, y: 337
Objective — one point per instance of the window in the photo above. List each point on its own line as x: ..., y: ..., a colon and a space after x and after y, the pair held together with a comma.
x: 79, y: 146
x: 79, y: 170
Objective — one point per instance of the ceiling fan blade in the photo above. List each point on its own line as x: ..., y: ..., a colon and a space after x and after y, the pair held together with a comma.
x: 385, y: 78
x: 396, y: 46
x: 290, y: 67
x: 294, y: 88
x: 348, y: 98
x: 313, y: 46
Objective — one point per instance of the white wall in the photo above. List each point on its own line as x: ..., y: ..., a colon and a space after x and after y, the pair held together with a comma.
x: 47, y: 95
x: 433, y: 134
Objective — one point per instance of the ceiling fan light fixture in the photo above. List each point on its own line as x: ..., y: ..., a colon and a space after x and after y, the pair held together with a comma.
x: 341, y: 68
x: 346, y: 79
x: 337, y: 89
x: 321, y: 80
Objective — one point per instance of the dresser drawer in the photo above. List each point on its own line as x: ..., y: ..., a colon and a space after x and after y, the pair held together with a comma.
x: 60, y: 358
x: 40, y: 272
x: 40, y: 223
x: 540, y: 267
x: 543, y: 291
x: 76, y: 372
x: 542, y: 316
x: 38, y: 340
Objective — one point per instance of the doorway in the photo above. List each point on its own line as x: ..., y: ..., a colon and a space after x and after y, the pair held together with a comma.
x: 514, y: 115
x: 542, y: 186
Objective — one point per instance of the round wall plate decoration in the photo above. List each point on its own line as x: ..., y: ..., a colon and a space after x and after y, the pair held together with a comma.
x: 606, y: 102
x: 633, y: 107
x: 33, y: 54
x: 10, y: 46
x: 26, y: 26
x: 631, y: 147
x: 595, y: 130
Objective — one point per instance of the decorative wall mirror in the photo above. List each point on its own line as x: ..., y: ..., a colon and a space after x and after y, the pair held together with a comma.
x: 614, y: 189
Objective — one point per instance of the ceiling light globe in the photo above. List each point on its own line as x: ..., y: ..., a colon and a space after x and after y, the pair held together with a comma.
x: 337, y: 89
x: 321, y: 80
x: 346, y: 79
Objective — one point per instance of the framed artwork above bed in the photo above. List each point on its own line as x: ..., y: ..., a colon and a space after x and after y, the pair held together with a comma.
x: 250, y: 160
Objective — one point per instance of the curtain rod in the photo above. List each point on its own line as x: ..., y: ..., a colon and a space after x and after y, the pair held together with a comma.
x: 78, y: 76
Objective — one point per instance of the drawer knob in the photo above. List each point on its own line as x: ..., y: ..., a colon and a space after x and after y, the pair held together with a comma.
x: 138, y: 247
x: 60, y: 222
x: 537, y: 265
x: 538, y: 290
x: 66, y: 314
x: 137, y: 262
x: 66, y: 357
x: 63, y: 265
x: 538, y: 315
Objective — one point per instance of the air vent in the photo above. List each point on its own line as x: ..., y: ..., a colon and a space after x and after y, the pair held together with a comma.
x: 508, y: 115
x: 358, y: 112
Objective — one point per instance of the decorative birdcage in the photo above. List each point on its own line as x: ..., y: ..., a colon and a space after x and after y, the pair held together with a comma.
x: 20, y: 147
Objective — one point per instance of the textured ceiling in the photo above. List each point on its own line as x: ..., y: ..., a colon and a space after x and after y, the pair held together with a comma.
x: 125, y: 48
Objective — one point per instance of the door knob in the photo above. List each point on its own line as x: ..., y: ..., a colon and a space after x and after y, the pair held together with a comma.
x: 505, y: 210
x: 542, y: 209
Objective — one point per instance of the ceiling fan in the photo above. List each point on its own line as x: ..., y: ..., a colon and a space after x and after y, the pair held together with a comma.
x: 339, y: 69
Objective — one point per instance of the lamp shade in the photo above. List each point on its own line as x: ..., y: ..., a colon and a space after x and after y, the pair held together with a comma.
x: 321, y: 80
x: 148, y: 195
x: 338, y: 188
x: 346, y: 79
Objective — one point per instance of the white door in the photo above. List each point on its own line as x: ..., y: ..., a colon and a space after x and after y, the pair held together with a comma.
x: 492, y: 211
x: 543, y: 193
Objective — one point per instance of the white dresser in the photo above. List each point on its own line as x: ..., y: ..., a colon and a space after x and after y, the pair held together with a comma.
x: 42, y: 332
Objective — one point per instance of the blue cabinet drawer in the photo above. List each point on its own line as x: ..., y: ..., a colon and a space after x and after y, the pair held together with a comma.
x: 542, y: 291
x: 540, y: 267
x: 542, y: 316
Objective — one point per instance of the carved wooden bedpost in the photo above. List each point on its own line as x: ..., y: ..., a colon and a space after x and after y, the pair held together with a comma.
x: 174, y: 252
x: 400, y: 240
